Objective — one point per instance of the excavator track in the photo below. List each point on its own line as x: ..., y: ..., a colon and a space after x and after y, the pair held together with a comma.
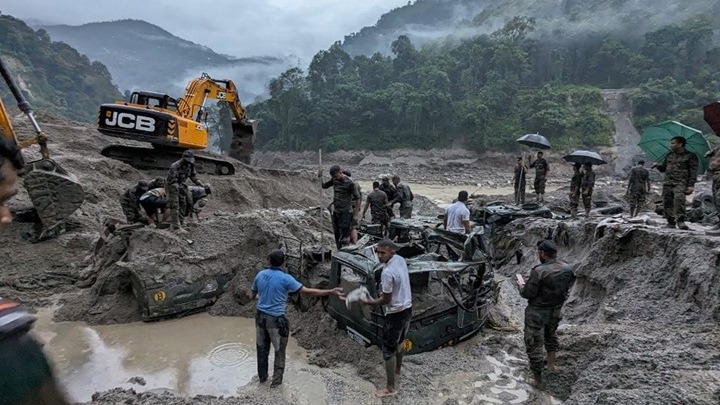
x: 161, y: 159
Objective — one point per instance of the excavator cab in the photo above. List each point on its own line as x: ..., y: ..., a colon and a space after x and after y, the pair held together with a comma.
x: 55, y: 193
x: 157, y: 100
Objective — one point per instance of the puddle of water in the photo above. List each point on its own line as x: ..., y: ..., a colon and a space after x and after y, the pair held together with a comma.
x: 200, y: 354
x: 443, y: 195
x: 496, y: 382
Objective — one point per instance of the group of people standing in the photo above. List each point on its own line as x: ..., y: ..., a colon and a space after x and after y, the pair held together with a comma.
x: 347, y: 201
x: 542, y: 170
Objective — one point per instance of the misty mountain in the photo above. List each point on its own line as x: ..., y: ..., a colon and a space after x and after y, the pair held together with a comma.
x: 143, y: 56
x: 428, y: 20
x: 53, y: 76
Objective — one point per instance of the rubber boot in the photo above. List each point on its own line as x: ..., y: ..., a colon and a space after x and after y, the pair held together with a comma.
x: 551, y: 361
x: 277, y: 377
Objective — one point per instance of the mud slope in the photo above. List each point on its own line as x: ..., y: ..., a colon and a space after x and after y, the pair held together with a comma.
x: 36, y: 273
x: 641, y: 322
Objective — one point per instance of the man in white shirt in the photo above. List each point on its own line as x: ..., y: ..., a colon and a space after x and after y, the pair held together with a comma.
x: 457, y: 215
x: 397, y: 299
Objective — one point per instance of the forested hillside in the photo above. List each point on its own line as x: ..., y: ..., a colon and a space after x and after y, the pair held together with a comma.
x: 489, y: 89
x: 143, y: 56
x: 54, y: 76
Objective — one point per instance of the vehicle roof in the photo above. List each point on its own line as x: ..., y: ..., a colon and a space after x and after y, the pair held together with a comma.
x: 152, y: 94
x: 358, y: 260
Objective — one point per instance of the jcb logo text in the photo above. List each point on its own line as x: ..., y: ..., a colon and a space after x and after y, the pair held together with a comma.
x: 131, y: 121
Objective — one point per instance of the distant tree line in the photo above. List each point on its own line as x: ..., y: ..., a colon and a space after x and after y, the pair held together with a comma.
x: 490, y: 89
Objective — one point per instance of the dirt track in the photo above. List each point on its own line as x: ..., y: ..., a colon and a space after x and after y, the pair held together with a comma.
x: 640, y: 327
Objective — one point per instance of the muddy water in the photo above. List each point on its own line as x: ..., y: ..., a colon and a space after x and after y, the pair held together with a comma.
x: 442, y: 195
x: 499, y: 381
x: 211, y: 355
x: 201, y: 354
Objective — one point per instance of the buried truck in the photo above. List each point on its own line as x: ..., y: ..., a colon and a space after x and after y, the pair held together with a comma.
x: 450, y: 298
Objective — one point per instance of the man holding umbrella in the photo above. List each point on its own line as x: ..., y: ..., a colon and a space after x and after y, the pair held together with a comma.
x: 681, y: 168
x: 541, y: 172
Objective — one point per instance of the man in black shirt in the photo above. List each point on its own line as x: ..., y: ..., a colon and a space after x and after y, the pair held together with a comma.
x: 346, y: 204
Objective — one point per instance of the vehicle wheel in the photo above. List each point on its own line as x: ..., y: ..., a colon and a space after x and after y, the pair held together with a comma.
x: 223, y: 170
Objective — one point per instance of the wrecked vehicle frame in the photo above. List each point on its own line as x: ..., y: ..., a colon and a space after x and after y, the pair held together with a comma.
x: 450, y: 299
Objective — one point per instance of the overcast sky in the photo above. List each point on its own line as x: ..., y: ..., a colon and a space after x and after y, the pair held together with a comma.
x: 235, y: 27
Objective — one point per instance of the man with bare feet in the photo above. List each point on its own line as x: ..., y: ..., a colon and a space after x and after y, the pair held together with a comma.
x: 397, y: 299
x: 546, y: 290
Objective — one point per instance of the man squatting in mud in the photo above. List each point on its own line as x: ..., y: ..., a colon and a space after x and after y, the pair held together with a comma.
x: 26, y: 377
x: 546, y: 290
x: 272, y: 286
x: 397, y: 298
x: 681, y: 168
x: 346, y: 204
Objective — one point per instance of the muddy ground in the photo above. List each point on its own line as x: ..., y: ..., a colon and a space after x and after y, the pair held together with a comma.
x: 640, y: 326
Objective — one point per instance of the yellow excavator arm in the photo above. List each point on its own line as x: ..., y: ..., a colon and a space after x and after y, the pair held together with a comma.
x: 198, y: 91
x: 55, y: 193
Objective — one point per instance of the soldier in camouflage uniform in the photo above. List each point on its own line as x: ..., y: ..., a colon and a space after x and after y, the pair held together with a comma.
x: 177, y: 190
x: 587, y: 184
x: 519, y: 180
x: 389, y: 189
x: 575, y: 190
x: 377, y: 201
x: 638, y: 187
x: 541, y: 172
x: 130, y: 202
x: 404, y: 196
x: 714, y: 174
x: 681, y: 169
x: 546, y: 290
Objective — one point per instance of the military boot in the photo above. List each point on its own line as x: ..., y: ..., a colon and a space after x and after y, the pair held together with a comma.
x: 682, y: 225
x: 587, y: 213
x: 573, y: 213
x: 551, y: 361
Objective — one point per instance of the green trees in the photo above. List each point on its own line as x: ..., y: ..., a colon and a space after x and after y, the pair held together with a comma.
x: 53, y: 75
x: 490, y: 89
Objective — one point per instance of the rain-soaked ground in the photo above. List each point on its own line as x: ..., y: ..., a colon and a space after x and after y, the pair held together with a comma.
x: 200, y: 354
x: 211, y: 355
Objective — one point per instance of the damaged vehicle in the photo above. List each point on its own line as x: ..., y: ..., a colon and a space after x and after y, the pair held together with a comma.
x: 450, y: 298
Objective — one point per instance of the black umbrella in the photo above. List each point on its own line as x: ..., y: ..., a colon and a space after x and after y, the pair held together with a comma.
x: 585, y: 156
x: 711, y: 112
x: 534, y: 141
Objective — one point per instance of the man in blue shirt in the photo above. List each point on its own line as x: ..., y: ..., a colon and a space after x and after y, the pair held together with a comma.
x: 272, y: 286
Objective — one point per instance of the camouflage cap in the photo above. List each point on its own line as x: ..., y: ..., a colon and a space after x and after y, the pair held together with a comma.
x: 189, y: 156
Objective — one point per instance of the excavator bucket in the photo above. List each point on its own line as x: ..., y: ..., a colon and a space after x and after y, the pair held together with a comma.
x: 54, y: 192
x: 243, y: 141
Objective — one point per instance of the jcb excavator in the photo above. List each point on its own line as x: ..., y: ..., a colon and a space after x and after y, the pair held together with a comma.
x: 173, y: 126
x: 55, y: 193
